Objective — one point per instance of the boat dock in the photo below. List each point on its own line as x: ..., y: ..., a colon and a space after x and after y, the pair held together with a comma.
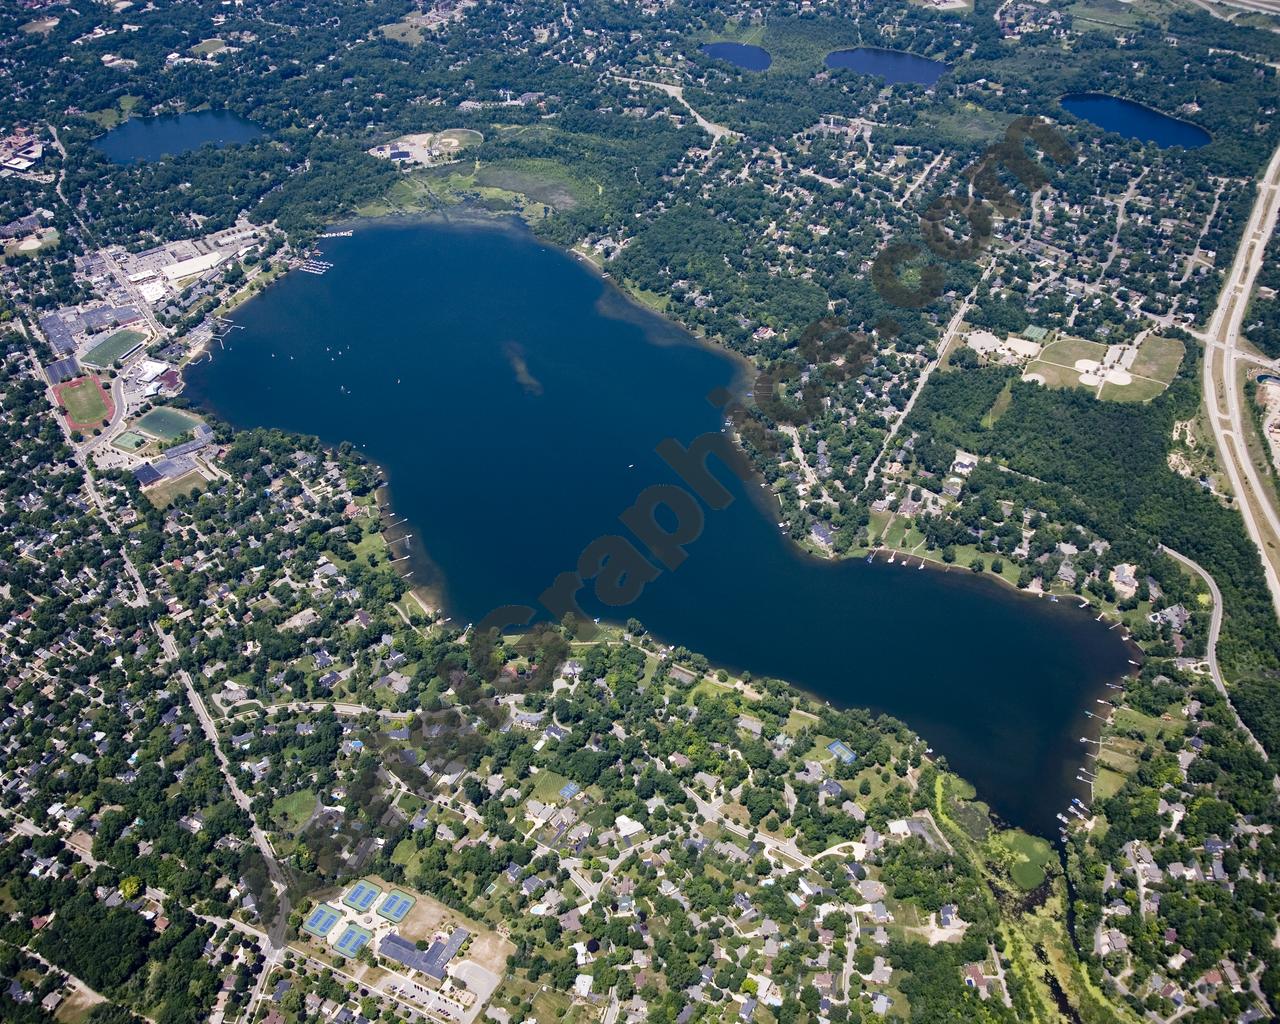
x: 312, y: 265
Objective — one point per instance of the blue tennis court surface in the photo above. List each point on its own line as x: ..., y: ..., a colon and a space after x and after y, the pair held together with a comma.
x: 321, y: 921
x: 352, y: 940
x: 569, y: 790
x: 396, y: 905
x: 360, y: 896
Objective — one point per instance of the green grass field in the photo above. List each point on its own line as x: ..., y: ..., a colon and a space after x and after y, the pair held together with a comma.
x: 1053, y: 375
x: 166, y: 423
x: 464, y: 137
x: 548, y: 785
x: 1137, y: 390
x: 84, y: 402
x: 207, y: 47
x: 1068, y: 350
x: 291, y: 812
x: 161, y: 495
x: 115, y: 347
x: 1159, y: 359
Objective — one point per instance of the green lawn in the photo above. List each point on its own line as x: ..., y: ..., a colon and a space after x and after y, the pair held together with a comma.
x: 1054, y: 376
x: 464, y: 137
x: 1159, y: 359
x: 84, y: 401
x: 291, y: 812
x: 1137, y: 390
x: 1068, y: 350
x: 207, y: 47
x: 115, y: 347
x: 162, y: 494
x: 548, y: 785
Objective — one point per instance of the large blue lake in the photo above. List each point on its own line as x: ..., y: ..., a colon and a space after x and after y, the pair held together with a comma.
x: 744, y: 55
x: 1134, y: 121
x: 515, y: 400
x: 150, y: 138
x: 894, y: 66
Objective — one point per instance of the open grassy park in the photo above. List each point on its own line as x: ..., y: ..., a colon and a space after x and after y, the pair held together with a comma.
x: 1070, y: 362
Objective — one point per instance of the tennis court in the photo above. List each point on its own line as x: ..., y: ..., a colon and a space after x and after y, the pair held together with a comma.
x: 129, y: 441
x: 360, y: 896
x: 352, y: 940
x: 115, y: 347
x: 320, y: 921
x: 166, y: 423
x: 396, y: 905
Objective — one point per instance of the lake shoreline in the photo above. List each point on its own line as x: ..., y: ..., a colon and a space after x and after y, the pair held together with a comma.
x: 977, y: 632
x: 473, y: 217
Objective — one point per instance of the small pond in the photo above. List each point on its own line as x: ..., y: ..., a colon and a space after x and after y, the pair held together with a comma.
x: 894, y: 66
x: 150, y: 138
x: 744, y: 55
x: 1134, y: 121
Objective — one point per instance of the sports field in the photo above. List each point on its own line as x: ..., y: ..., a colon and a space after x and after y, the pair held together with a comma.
x: 351, y: 941
x: 115, y: 347
x: 320, y: 921
x: 86, y: 403
x: 166, y: 423
x: 360, y: 896
x: 396, y: 905
x: 129, y: 441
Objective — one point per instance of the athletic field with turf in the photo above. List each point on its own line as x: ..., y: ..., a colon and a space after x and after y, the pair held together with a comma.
x: 165, y: 423
x: 115, y: 347
x: 86, y: 402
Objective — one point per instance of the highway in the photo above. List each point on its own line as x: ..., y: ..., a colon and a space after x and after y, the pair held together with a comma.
x: 1222, y: 358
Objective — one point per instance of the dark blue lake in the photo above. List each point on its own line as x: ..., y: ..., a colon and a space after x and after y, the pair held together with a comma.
x: 515, y: 400
x: 744, y: 55
x: 150, y: 138
x: 894, y: 66
x: 1134, y: 121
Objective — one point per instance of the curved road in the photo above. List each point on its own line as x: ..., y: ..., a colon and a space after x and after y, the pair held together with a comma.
x: 1215, y: 628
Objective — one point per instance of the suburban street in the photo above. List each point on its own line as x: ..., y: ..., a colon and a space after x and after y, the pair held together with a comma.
x: 1222, y: 359
x: 1211, y: 646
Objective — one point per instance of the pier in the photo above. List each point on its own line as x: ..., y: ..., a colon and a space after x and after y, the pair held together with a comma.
x: 314, y: 266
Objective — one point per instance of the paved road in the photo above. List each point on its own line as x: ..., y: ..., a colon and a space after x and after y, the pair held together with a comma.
x: 117, y: 271
x: 676, y: 92
x: 1215, y: 628
x: 952, y: 327
x: 275, y: 938
x: 1222, y: 355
